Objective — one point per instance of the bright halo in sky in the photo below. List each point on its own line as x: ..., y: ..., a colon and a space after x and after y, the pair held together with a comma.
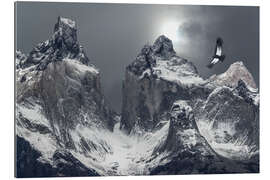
x: 170, y: 29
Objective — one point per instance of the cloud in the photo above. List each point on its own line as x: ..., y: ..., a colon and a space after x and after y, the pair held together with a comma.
x: 191, y: 29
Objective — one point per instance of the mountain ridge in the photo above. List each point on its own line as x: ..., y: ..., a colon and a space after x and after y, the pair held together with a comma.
x: 173, y: 121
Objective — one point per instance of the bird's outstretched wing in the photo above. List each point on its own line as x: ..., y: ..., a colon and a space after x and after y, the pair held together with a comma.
x: 214, y: 61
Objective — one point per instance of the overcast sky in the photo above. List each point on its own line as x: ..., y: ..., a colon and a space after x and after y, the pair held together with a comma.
x: 113, y: 34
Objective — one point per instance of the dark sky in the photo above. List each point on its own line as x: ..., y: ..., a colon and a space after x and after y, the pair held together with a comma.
x: 113, y: 34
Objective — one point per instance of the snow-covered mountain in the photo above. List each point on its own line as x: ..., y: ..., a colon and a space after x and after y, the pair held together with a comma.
x: 59, y: 99
x: 155, y: 79
x: 225, y: 112
x: 173, y: 121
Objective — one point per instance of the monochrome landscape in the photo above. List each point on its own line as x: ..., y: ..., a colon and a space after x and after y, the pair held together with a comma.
x: 172, y: 120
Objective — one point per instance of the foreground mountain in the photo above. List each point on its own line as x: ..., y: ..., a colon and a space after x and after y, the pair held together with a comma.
x: 229, y: 119
x: 173, y: 121
x: 58, y: 97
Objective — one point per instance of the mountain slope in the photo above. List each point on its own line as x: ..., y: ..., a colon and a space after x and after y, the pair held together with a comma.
x: 225, y: 109
x: 58, y: 96
x: 173, y: 121
x: 153, y: 81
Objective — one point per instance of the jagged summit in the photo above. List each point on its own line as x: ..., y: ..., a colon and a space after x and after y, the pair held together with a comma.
x: 153, y: 81
x: 235, y: 72
x: 66, y: 34
x: 163, y: 47
x: 160, y: 59
x: 65, y: 21
x: 62, y: 45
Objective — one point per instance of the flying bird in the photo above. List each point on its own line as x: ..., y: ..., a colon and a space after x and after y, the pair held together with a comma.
x: 218, y: 56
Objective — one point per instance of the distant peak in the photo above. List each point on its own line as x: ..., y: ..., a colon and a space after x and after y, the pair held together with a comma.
x: 163, y: 46
x: 65, y: 21
x: 237, y: 63
x: 237, y: 66
x: 235, y: 72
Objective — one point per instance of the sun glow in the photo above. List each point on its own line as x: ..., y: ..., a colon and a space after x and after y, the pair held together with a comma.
x: 170, y: 28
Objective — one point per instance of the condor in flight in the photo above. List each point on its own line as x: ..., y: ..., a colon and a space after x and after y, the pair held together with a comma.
x: 218, y: 56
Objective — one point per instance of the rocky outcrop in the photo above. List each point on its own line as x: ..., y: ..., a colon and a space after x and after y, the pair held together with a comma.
x: 20, y: 59
x: 223, y: 123
x: 186, y: 151
x: 58, y: 92
x: 183, y: 132
x: 62, y: 44
x: 68, y: 86
x: 154, y: 81
x: 231, y: 116
x: 29, y: 163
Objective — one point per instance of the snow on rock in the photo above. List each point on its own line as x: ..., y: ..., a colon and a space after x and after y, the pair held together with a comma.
x: 67, y: 21
x: 231, y: 77
x: 124, y: 154
x: 81, y: 68
x: 229, y: 121
x: 58, y: 100
x: 62, y: 44
x: 153, y: 81
x: 20, y: 58
x: 185, y: 150
x: 173, y: 71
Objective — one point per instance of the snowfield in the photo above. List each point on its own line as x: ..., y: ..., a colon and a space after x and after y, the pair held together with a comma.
x: 128, y: 152
x: 112, y: 153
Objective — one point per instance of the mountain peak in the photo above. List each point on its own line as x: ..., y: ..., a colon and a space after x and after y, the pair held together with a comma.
x: 163, y: 46
x: 237, y: 71
x: 63, y: 44
x: 62, y: 21
x: 65, y: 34
x: 236, y: 65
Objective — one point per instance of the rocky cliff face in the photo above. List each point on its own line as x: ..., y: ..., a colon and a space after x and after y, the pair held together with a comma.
x: 186, y: 151
x: 155, y: 79
x: 224, y: 121
x: 230, y: 118
x: 62, y: 44
x: 58, y: 91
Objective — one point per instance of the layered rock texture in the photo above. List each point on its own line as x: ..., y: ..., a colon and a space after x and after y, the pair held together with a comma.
x: 173, y: 121
x: 155, y: 79
x: 222, y: 128
x: 58, y: 95
x: 186, y: 151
